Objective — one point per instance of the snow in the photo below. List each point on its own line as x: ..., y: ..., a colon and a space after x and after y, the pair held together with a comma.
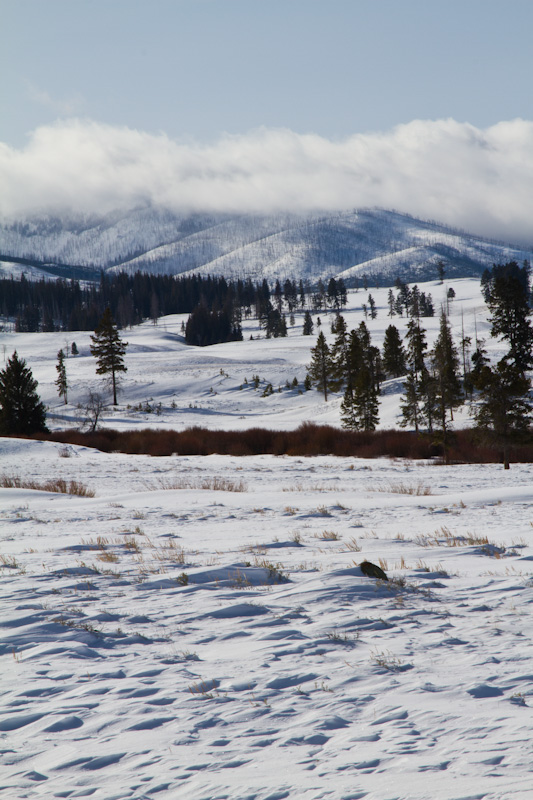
x: 167, y: 642
x: 307, y: 245
x: 212, y: 386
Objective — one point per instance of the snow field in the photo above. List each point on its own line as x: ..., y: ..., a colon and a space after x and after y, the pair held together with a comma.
x: 212, y: 386
x: 205, y: 642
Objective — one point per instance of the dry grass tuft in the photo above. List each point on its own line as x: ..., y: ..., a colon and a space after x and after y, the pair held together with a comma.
x: 418, y: 490
x: 216, y: 483
x: 58, y: 485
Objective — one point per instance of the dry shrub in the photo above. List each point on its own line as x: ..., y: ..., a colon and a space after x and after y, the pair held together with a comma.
x: 58, y: 485
x: 307, y: 440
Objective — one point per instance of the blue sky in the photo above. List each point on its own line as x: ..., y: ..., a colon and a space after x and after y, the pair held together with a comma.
x: 200, y: 68
x: 189, y: 73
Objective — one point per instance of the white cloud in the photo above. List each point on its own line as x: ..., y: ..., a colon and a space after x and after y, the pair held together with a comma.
x: 480, y: 180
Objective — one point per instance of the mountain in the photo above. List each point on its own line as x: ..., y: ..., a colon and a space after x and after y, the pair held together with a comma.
x: 374, y: 242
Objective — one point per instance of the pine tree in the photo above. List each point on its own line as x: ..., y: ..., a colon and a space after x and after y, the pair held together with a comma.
x: 412, y: 406
x: 366, y: 400
x: 61, y: 380
x: 339, y: 351
x: 308, y: 324
x: 504, y: 411
x: 391, y: 302
x: 445, y: 364
x: 416, y: 346
x: 320, y: 370
x: 359, y: 407
x: 507, y: 294
x: 109, y: 349
x: 393, y: 353
x: 21, y: 409
x: 349, y: 418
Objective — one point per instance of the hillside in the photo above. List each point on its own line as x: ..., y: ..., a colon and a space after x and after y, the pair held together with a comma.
x: 212, y: 386
x: 377, y: 243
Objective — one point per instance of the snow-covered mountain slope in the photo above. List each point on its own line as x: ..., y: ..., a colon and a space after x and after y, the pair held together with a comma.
x: 349, y: 244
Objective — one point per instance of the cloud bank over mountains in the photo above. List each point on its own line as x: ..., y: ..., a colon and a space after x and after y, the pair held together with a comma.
x: 477, y: 179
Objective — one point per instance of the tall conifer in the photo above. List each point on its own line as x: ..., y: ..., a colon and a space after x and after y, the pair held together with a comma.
x: 109, y: 349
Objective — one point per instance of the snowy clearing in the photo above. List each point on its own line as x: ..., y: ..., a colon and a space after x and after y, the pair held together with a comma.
x: 206, y: 643
x: 200, y: 627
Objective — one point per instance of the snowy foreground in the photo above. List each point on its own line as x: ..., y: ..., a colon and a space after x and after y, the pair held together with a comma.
x: 200, y: 628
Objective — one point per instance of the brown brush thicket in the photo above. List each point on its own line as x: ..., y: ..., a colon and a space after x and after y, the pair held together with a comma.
x: 307, y: 440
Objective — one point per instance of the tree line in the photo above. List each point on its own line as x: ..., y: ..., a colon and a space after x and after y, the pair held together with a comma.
x: 70, y: 305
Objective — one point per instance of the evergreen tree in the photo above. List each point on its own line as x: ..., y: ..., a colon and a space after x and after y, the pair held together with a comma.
x: 342, y: 293
x: 372, y: 306
x: 61, y: 380
x: 320, y: 370
x: 480, y: 360
x: 339, y: 351
x: 393, y: 353
x: 308, y: 324
x: 429, y: 401
x: 414, y: 302
x: 21, y: 409
x: 426, y: 305
x: 333, y: 293
x: 416, y: 347
x: 445, y: 364
x: 109, y: 349
x: 349, y: 418
x: 504, y: 411
x: 359, y: 407
x: 391, y: 302
x: 412, y: 406
x: 410, y: 403
x: 507, y: 294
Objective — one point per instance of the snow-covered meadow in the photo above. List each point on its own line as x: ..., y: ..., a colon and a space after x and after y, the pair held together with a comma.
x: 199, y: 628
x: 213, y: 386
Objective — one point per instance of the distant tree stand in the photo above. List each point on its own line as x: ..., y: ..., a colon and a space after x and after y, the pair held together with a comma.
x: 109, y: 349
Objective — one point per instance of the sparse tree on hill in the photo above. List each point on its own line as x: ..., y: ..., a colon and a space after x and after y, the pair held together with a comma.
x: 320, y: 370
x: 308, y: 324
x: 109, y: 349
x: 61, y: 380
x: 21, y: 409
